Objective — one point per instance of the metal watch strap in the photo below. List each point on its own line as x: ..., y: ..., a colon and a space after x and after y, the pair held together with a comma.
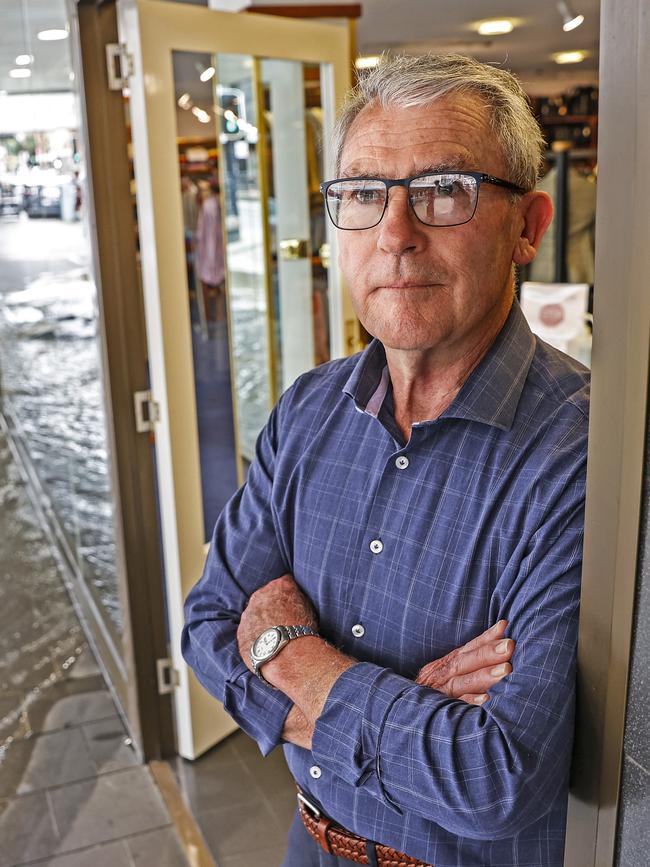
x: 297, y: 631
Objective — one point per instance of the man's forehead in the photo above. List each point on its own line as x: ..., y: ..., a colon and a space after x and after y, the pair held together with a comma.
x: 451, y: 162
x: 452, y: 132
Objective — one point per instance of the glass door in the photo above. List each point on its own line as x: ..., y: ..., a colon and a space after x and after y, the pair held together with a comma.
x: 231, y: 116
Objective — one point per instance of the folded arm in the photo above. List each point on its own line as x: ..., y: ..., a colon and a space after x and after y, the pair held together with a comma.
x: 484, y: 772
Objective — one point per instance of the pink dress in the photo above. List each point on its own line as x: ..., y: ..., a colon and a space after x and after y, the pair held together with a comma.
x: 210, y: 263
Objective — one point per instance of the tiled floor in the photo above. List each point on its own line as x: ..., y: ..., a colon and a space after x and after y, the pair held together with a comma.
x: 71, y: 791
x: 242, y: 802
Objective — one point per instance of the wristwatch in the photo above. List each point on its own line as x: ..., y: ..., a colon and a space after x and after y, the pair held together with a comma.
x: 271, y: 641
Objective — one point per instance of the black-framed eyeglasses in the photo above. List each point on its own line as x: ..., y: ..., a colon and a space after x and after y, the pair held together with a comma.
x: 437, y: 198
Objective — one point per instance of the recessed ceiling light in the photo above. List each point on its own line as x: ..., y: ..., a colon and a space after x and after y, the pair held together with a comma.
x: 24, y: 59
x: 570, y: 19
x: 569, y: 56
x: 200, y: 114
x: 367, y: 62
x: 185, y: 101
x: 52, y: 35
x: 573, y: 23
x: 495, y: 28
x: 20, y: 73
x: 207, y: 74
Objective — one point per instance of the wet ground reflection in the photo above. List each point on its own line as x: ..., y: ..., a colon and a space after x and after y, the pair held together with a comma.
x: 52, y: 388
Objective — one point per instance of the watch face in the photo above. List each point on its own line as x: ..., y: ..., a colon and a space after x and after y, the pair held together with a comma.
x: 266, y: 644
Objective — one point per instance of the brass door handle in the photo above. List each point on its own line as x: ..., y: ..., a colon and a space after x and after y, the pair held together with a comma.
x: 324, y: 253
x: 294, y: 248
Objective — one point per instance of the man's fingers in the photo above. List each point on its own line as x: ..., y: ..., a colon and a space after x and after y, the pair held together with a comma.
x: 492, y: 634
x: 478, y: 682
x: 492, y: 653
x: 471, y: 698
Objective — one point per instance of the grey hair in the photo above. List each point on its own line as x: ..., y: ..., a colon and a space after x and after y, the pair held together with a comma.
x: 407, y: 81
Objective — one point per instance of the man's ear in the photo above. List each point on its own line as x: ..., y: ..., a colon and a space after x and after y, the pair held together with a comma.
x: 537, y: 213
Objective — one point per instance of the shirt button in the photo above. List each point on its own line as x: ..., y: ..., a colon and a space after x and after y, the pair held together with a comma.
x: 402, y: 462
x: 376, y: 546
x: 358, y: 631
x: 315, y: 772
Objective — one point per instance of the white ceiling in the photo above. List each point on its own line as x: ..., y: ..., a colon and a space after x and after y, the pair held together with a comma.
x: 417, y: 26
x: 395, y: 25
x: 20, y: 21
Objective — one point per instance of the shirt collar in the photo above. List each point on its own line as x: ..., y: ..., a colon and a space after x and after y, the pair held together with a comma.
x: 492, y: 391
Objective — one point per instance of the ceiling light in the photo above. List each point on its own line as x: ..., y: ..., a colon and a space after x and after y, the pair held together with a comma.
x: 24, y: 59
x: 201, y: 115
x: 185, y: 101
x: 570, y: 20
x: 569, y: 56
x: 20, y: 73
x: 53, y: 35
x: 367, y: 62
x: 207, y: 74
x: 495, y: 28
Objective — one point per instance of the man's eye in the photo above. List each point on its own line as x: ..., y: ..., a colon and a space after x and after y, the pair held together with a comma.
x: 445, y: 190
x: 368, y: 196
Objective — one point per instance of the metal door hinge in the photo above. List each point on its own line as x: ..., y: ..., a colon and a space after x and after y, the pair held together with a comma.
x: 145, y: 421
x: 168, y: 678
x: 119, y: 63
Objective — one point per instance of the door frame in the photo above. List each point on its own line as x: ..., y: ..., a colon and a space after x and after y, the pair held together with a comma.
x: 147, y: 714
x: 618, y: 417
x: 150, y: 31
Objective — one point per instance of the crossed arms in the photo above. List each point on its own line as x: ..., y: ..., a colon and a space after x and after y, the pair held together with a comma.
x: 306, y: 670
x: 484, y: 772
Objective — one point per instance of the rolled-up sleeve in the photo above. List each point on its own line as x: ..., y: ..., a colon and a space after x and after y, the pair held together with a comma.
x: 245, y: 554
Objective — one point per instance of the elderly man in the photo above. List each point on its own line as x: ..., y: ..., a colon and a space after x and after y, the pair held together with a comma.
x: 407, y: 498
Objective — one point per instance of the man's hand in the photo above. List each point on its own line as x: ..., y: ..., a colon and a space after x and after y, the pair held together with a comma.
x: 468, y: 672
x: 465, y: 673
x: 279, y: 603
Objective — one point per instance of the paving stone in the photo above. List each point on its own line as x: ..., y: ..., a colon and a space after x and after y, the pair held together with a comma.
x: 243, y: 830
x: 43, y: 761
x: 26, y: 830
x: 105, y: 855
x: 107, y: 808
x: 106, y: 744
x: 157, y: 849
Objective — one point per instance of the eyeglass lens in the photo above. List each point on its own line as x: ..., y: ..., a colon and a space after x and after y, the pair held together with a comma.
x: 438, y: 200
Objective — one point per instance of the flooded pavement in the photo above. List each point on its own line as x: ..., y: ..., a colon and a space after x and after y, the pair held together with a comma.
x: 72, y: 793
x: 51, y: 387
x: 40, y: 637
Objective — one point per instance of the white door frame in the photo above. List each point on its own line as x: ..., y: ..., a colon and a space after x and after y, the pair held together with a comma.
x: 150, y: 31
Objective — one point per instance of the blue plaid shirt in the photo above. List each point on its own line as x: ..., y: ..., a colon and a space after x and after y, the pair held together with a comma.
x: 483, y: 521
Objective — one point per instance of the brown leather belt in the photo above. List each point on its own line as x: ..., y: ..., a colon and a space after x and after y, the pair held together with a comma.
x: 344, y: 844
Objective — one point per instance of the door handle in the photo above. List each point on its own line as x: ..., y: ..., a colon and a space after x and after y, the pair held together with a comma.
x: 294, y: 248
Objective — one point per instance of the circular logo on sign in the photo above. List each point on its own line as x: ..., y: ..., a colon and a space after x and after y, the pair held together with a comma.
x: 551, y: 315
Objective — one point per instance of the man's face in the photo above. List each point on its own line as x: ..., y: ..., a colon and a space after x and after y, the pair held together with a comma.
x: 417, y: 287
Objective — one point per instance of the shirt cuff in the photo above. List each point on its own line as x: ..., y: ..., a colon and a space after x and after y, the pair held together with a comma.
x: 256, y: 707
x: 348, y: 733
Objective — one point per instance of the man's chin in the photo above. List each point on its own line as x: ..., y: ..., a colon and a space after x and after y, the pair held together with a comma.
x: 400, y: 339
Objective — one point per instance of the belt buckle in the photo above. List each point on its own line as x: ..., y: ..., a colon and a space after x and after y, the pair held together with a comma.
x: 307, y: 804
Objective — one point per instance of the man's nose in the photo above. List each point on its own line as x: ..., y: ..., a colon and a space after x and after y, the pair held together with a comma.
x: 400, y: 230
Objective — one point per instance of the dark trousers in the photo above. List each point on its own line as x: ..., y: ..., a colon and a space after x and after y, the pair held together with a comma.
x: 302, y: 851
